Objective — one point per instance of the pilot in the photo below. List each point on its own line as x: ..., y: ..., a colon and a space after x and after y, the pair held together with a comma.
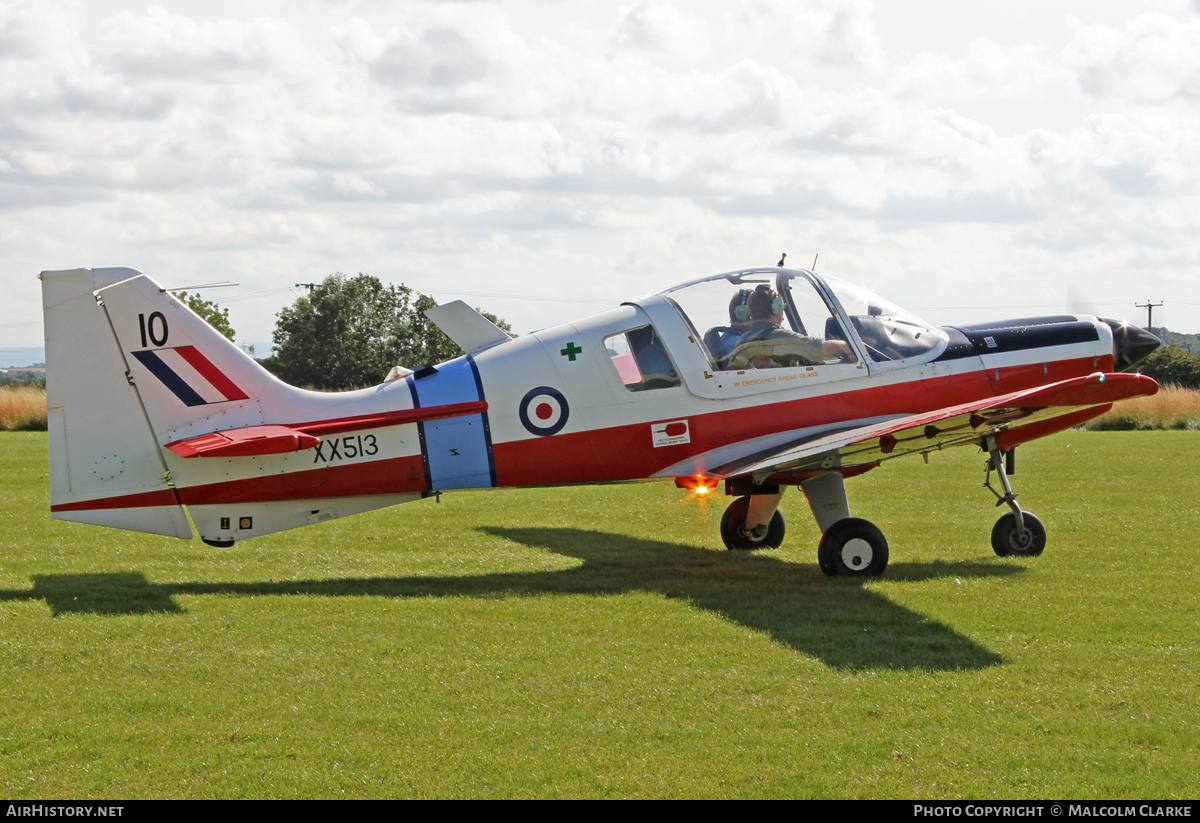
x: 766, y: 344
x: 722, y: 340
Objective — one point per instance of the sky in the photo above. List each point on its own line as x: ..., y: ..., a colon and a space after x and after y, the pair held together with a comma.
x: 544, y: 160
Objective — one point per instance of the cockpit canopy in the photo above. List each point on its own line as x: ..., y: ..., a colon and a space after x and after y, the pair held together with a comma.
x: 770, y: 318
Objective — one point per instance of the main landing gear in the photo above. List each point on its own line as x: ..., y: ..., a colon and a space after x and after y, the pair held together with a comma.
x: 851, y: 546
x: 753, y: 522
x: 1017, y: 533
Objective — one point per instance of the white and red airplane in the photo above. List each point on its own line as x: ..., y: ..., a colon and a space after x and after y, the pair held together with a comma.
x: 151, y: 409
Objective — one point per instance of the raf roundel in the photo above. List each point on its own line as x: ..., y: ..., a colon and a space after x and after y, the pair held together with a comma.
x: 544, y: 411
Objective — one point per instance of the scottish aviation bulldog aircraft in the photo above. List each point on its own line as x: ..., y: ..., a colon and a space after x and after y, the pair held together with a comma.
x: 762, y: 378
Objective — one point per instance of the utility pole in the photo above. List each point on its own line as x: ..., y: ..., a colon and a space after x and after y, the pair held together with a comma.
x: 1149, y: 307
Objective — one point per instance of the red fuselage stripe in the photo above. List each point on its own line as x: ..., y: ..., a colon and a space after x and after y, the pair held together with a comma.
x: 162, y: 497
x: 614, y: 453
x: 397, y: 475
x: 626, y: 452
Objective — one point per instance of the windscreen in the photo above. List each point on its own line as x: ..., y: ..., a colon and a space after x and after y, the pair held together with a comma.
x: 887, y: 331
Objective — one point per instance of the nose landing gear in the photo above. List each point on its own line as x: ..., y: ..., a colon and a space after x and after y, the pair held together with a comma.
x: 1007, y: 542
x: 1018, y: 533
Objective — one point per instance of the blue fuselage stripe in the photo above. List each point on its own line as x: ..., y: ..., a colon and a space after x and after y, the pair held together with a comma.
x: 457, y: 451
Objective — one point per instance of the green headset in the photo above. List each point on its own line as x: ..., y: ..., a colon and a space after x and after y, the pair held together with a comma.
x: 741, y: 312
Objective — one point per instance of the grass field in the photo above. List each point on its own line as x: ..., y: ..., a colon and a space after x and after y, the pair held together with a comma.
x: 597, y: 642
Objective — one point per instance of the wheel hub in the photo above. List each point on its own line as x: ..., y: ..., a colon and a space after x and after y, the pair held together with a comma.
x: 756, y: 535
x: 857, y: 553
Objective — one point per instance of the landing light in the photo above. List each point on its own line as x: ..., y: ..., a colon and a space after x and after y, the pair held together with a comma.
x: 697, y: 484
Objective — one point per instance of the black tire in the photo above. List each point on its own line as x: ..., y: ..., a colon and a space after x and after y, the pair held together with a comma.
x: 853, y: 548
x: 1005, y: 542
x: 735, y: 517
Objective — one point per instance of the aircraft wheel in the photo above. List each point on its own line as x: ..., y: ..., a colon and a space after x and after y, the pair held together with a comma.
x: 1006, y: 543
x: 737, y: 540
x: 853, y: 548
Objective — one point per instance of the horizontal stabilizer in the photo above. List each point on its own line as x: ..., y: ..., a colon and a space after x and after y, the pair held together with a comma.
x: 254, y: 441
x: 247, y: 442
x: 468, y: 328
x: 395, y: 418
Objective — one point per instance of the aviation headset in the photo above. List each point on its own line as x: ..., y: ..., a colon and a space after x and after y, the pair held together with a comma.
x: 742, y: 311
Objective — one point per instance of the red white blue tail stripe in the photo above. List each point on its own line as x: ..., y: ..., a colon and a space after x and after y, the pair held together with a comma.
x: 190, y: 375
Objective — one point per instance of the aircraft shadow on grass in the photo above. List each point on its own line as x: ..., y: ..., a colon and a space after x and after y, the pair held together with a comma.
x: 839, y: 621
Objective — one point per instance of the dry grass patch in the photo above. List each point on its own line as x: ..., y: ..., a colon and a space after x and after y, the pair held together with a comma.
x: 1174, y: 407
x: 22, y: 408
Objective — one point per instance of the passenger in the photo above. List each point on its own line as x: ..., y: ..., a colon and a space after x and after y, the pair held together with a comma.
x: 766, y: 344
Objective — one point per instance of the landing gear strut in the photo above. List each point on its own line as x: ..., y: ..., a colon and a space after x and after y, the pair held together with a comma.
x: 1018, y: 533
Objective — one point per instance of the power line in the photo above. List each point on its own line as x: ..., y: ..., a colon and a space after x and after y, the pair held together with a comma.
x: 1025, y: 306
x: 233, y: 298
x: 522, y: 296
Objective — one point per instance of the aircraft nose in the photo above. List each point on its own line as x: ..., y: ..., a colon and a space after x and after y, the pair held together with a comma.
x: 1131, y: 345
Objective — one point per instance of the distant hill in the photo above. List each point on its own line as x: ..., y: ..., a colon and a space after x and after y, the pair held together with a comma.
x: 1191, y: 342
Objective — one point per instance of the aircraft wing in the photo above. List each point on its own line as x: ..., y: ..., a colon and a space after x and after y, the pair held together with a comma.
x: 1012, y: 419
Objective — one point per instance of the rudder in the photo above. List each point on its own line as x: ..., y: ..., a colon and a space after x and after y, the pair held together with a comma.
x: 106, y: 467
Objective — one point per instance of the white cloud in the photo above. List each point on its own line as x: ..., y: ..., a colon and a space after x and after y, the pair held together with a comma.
x: 1154, y: 58
x: 393, y: 139
x: 160, y: 44
x: 654, y: 25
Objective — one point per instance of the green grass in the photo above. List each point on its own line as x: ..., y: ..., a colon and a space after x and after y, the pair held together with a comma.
x: 597, y: 642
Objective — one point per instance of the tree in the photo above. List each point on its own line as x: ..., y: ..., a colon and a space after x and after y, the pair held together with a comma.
x: 348, y: 332
x: 1172, y: 364
x: 216, y: 317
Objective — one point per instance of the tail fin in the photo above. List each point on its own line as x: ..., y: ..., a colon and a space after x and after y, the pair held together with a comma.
x: 186, y: 372
x: 106, y: 466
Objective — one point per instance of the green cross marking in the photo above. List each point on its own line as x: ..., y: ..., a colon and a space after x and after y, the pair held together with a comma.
x: 570, y: 351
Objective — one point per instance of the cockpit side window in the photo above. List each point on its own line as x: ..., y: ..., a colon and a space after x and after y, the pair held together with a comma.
x: 641, y: 360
